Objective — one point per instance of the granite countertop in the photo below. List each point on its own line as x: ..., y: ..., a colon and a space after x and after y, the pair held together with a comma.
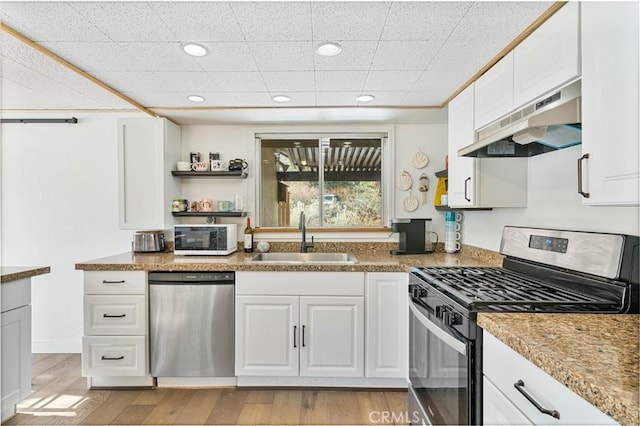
x: 376, y: 261
x: 594, y: 355
x: 14, y: 273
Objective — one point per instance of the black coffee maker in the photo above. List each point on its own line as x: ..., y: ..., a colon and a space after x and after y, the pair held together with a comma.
x: 414, y: 238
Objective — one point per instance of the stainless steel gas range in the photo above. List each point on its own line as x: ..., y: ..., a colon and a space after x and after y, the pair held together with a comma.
x: 544, y: 271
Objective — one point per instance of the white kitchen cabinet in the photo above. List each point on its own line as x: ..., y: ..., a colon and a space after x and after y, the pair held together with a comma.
x: 148, y: 149
x: 387, y: 327
x: 300, y: 336
x: 267, y: 342
x: 610, y: 126
x: 494, y: 92
x: 480, y: 182
x: 549, y: 57
x: 115, y: 341
x: 503, y: 368
x: 300, y: 324
x: 15, y: 322
x: 332, y: 340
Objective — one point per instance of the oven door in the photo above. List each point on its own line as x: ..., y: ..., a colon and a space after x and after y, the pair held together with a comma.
x: 439, y: 371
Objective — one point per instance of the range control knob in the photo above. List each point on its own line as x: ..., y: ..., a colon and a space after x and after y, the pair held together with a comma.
x: 450, y: 318
x: 418, y: 292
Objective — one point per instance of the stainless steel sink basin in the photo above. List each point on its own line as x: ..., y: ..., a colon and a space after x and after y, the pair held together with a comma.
x: 313, y: 257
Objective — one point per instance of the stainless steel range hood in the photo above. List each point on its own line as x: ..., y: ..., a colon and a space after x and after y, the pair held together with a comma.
x: 546, y: 125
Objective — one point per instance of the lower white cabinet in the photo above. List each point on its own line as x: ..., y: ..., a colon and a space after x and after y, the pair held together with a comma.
x: 387, y: 326
x: 300, y: 324
x: 508, y: 377
x: 115, y: 340
x: 16, y: 357
x: 300, y: 336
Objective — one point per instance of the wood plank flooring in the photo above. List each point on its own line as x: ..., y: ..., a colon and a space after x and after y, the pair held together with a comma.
x: 60, y: 397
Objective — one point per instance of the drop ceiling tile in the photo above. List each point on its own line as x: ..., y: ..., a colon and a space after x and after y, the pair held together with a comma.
x: 423, y: 20
x: 50, y: 21
x: 199, y: 21
x: 405, y: 55
x: 123, y: 81
x: 355, y: 55
x: 178, y: 99
x: 158, y: 56
x: 465, y: 55
x: 97, y: 56
x: 273, y: 20
x: 239, y: 81
x: 187, y: 82
x: 255, y: 99
x: 297, y: 99
x: 500, y: 22
x: 425, y: 98
x: 327, y: 99
x: 332, y: 81
x: 391, y: 80
x: 348, y: 20
x: 125, y: 21
x: 102, y: 97
x: 388, y: 98
x: 283, y: 56
x: 227, y: 56
x: 292, y: 81
x: 442, y: 80
x: 15, y: 50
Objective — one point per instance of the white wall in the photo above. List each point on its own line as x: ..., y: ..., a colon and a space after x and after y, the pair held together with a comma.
x: 59, y: 207
x: 553, y: 202
x: 237, y: 142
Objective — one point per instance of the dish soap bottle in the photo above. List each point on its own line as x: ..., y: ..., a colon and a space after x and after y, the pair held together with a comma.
x: 248, y: 237
x: 451, y: 236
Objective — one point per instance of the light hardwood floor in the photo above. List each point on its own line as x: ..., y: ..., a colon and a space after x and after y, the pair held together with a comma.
x: 60, y: 397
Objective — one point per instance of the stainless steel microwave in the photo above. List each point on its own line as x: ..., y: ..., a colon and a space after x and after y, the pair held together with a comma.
x: 205, y: 240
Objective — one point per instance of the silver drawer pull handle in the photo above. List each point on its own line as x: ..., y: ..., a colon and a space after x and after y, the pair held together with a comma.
x: 114, y: 316
x: 113, y: 282
x: 519, y: 385
x: 106, y: 358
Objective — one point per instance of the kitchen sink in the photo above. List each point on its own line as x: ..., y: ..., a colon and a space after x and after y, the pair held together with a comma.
x: 314, y: 257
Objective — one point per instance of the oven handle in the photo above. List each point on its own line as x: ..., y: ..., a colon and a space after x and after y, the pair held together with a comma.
x: 451, y: 341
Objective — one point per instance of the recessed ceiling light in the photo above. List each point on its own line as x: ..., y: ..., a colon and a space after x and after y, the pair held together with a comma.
x: 281, y: 98
x: 195, y: 98
x: 328, y: 49
x: 365, y: 98
x: 194, y: 49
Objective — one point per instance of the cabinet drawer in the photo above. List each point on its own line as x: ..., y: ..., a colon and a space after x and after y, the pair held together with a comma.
x: 115, y: 282
x: 114, y: 356
x: 115, y: 315
x: 504, y: 367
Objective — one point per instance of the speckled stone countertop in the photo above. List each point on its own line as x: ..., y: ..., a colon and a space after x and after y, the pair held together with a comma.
x: 14, y: 273
x: 596, y: 356
x: 371, y: 258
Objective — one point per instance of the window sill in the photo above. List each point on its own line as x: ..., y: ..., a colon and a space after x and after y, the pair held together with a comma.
x: 321, y: 230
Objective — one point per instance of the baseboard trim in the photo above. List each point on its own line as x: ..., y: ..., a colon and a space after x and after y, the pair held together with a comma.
x: 331, y: 382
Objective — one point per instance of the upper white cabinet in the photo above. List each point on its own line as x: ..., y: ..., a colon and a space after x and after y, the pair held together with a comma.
x: 147, y: 149
x: 549, y: 57
x: 482, y: 182
x: 494, y: 92
x: 610, y: 103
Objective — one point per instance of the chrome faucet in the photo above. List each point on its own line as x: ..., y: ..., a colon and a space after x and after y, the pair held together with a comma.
x: 304, y: 245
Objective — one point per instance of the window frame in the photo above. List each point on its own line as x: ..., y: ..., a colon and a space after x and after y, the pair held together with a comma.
x: 386, y: 134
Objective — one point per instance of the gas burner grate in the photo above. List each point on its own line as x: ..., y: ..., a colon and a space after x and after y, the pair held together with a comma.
x: 492, y: 287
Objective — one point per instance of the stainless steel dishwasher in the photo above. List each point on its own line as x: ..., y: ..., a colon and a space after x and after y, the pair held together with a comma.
x: 191, y: 324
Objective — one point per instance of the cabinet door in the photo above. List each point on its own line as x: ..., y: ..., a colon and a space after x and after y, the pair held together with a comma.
x: 147, y: 150
x: 494, y: 92
x: 462, y: 170
x: 387, y: 325
x: 549, y: 57
x: 267, y: 336
x: 16, y: 358
x: 332, y: 340
x: 610, y: 102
